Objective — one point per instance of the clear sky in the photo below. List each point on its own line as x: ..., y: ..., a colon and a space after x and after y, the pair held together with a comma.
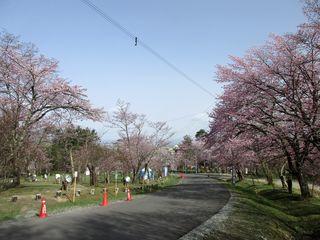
x: 195, y: 35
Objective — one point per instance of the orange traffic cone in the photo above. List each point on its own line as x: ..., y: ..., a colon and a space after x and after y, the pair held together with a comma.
x: 105, y: 198
x: 43, y: 209
x: 129, y: 197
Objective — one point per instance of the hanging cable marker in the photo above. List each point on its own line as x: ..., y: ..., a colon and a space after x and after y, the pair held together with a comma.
x: 144, y: 45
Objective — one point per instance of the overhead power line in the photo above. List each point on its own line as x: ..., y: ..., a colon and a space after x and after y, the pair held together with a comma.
x: 139, y: 42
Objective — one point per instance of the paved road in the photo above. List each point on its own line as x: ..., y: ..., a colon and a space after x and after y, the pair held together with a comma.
x: 167, y: 214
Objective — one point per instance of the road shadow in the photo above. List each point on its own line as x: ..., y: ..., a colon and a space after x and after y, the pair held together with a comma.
x: 167, y: 214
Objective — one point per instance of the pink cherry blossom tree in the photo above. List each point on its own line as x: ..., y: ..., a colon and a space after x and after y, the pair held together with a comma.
x: 34, y: 95
x: 273, y: 91
x: 139, y: 139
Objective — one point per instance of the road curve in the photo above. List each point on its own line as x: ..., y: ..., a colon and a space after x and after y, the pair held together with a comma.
x: 167, y: 214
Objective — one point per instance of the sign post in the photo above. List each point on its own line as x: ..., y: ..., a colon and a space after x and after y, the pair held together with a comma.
x: 75, y: 175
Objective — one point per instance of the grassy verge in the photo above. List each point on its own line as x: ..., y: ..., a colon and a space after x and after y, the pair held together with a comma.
x: 263, y: 212
x: 27, y: 206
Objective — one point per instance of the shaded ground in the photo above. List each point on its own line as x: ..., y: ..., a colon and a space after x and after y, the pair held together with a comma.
x: 26, y: 206
x: 167, y: 214
x: 263, y: 212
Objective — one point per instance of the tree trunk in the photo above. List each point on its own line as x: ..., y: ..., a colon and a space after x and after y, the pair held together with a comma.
x: 93, y: 175
x: 283, y: 182
x: 295, y: 167
x: 17, y: 180
x: 146, y: 171
x: 233, y: 176
x: 239, y: 174
x: 303, y: 183
x: 312, y: 189
x: 71, y: 161
x: 270, y: 179
x: 267, y: 172
x: 282, y: 178
x: 134, y: 175
x: 253, y: 183
x: 79, y: 175
x: 197, y: 166
x: 289, y: 183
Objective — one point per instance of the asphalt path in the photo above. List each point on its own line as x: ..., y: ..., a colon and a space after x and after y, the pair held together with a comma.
x: 166, y: 214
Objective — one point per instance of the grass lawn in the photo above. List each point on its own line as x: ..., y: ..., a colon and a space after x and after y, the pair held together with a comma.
x: 261, y: 211
x: 27, y: 206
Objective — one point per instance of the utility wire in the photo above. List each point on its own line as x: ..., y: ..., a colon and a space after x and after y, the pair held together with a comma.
x: 108, y: 18
x: 139, y: 42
